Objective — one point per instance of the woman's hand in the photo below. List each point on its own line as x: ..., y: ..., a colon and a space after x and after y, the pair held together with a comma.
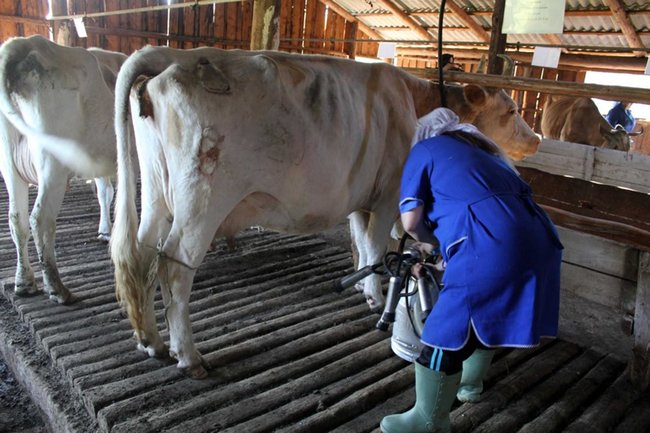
x: 425, y: 248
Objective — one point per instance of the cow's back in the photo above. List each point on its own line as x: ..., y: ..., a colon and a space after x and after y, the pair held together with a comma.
x: 341, y: 127
x: 110, y: 63
x: 575, y: 120
x: 555, y: 112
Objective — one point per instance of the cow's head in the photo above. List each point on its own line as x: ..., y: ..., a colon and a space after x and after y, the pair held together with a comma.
x: 616, y: 138
x: 497, y: 116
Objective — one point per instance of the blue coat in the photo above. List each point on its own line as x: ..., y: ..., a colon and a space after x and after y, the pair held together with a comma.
x: 502, y: 251
x: 619, y: 115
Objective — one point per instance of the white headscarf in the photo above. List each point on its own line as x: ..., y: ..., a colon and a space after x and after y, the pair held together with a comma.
x: 443, y: 120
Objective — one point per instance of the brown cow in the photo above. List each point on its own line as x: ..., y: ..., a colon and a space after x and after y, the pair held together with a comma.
x: 577, y: 120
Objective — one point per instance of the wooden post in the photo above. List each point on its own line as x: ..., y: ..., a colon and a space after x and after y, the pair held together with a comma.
x: 350, y: 48
x: 60, y: 7
x: 265, y: 32
x: 497, y: 39
x: 640, y: 364
x: 64, y: 33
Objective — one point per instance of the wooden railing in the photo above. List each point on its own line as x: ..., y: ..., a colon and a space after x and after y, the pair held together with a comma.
x: 603, y: 193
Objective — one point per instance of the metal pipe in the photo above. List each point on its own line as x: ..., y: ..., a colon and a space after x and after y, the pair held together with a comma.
x: 139, y: 10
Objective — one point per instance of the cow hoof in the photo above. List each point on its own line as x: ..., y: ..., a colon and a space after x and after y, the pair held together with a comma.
x: 196, y: 372
x: 104, y: 237
x: 65, y: 299
x: 152, y: 352
x: 375, y: 306
x: 26, y: 290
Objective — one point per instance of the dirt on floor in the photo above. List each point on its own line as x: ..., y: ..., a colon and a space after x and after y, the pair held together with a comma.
x: 17, y: 412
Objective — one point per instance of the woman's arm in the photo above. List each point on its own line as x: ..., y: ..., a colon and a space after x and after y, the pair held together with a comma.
x: 414, y: 225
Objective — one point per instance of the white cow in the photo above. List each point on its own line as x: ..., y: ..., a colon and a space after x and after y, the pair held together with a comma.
x: 57, y: 121
x: 231, y: 139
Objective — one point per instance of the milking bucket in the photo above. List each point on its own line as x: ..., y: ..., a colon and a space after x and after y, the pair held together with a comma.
x: 409, y: 319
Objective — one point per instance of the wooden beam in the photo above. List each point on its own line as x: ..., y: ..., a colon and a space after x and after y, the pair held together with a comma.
x: 162, y: 36
x: 497, y: 39
x: 349, y: 17
x: 24, y: 20
x: 623, y: 21
x: 477, y: 29
x: 610, y: 63
x: 602, y: 210
x: 639, y: 367
x: 406, y: 19
x: 611, y: 93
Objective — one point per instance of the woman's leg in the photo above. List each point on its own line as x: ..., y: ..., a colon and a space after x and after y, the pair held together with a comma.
x: 437, y: 378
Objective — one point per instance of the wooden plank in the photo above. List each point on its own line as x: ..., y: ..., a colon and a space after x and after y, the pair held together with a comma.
x: 593, y: 325
x: 629, y: 170
x: 232, y: 11
x: 466, y: 418
x: 597, y: 287
x: 603, y: 210
x: 609, y: 92
x: 605, y: 413
x: 637, y: 417
x: 220, y: 23
x: 565, y: 408
x: 599, y: 254
x: 541, y: 396
x: 335, y: 379
x: 297, y: 21
x: 559, y: 157
x: 640, y: 366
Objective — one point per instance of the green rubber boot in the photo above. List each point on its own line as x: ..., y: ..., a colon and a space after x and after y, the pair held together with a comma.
x: 435, y: 392
x: 474, y: 369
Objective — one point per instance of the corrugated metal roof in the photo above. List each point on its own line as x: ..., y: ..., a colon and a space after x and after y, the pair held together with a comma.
x: 587, y: 23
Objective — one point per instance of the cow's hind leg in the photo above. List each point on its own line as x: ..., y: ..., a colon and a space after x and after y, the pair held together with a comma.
x: 25, y: 283
x: 183, y: 251
x: 48, y: 202
x: 176, y: 281
x: 105, y: 194
x: 154, y: 227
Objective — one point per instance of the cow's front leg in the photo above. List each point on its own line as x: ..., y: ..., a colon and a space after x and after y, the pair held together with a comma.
x: 43, y: 221
x: 176, y: 282
x: 105, y: 192
x: 25, y: 283
x: 375, y: 243
x: 358, y: 228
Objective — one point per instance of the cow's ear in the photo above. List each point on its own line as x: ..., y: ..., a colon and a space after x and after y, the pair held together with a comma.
x: 475, y: 95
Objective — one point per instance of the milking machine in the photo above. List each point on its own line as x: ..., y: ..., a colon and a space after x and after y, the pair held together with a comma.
x: 408, y: 300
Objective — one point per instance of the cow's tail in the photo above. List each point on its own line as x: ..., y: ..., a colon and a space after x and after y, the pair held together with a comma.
x: 19, y: 56
x: 135, y: 271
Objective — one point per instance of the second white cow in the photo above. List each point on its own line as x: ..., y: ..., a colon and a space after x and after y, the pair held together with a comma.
x: 57, y: 121
x: 232, y: 139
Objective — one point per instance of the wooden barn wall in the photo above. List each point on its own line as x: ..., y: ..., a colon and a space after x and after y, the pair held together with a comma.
x: 306, y: 26
x: 32, y: 13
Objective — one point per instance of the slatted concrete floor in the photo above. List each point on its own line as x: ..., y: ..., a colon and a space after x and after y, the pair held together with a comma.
x: 285, y: 352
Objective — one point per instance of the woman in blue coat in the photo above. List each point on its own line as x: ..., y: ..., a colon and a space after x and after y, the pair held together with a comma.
x: 502, y: 253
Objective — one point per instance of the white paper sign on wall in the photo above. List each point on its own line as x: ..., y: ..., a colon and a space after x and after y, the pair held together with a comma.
x: 80, y: 27
x: 387, y: 50
x: 546, y: 57
x: 533, y: 16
